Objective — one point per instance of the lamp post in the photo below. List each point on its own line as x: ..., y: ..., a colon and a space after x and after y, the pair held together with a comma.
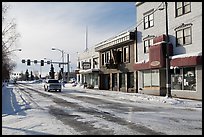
x: 168, y: 76
x: 62, y: 60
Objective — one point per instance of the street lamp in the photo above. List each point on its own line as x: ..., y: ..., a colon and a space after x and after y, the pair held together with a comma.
x: 62, y: 60
x: 168, y: 75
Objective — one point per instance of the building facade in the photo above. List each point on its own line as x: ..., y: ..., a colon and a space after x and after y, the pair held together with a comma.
x: 185, y: 48
x: 88, y: 68
x: 117, y: 56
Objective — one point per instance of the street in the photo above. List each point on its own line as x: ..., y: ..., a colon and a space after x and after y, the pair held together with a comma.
x: 92, y: 112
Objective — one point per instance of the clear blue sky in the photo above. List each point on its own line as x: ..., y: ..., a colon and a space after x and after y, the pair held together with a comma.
x: 43, y: 25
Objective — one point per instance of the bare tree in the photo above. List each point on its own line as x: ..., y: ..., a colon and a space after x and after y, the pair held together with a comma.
x: 9, y: 37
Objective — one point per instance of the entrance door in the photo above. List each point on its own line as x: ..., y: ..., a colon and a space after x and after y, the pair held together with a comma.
x: 105, y: 81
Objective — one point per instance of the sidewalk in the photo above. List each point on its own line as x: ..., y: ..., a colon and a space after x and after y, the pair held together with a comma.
x: 141, y: 97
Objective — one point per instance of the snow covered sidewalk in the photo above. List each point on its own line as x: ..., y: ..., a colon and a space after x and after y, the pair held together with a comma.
x: 135, y: 97
x: 20, y: 116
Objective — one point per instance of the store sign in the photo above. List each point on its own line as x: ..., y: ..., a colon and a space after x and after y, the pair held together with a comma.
x: 86, y: 65
x: 155, y: 63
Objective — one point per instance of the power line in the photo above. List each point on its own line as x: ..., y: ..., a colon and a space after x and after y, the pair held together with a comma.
x: 132, y: 26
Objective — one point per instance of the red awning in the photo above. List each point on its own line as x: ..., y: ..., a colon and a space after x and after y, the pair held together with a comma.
x: 186, y: 61
x: 141, y: 66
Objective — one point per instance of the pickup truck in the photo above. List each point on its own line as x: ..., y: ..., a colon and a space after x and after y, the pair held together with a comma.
x: 52, y: 84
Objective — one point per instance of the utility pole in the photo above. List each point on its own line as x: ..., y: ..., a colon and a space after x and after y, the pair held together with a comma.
x: 168, y: 75
x: 67, y: 67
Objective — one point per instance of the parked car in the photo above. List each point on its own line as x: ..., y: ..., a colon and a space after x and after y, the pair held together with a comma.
x: 52, y: 84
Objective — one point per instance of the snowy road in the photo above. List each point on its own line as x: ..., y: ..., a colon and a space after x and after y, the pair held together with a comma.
x: 28, y: 109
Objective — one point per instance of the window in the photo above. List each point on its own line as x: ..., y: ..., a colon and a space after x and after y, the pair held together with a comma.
x: 95, y: 62
x: 151, y: 78
x: 182, y: 8
x: 126, y: 54
x: 122, y: 79
x: 107, y: 57
x: 184, y: 79
x: 147, y: 44
x: 103, y: 59
x: 184, y: 36
x: 130, y: 79
x: 114, y: 80
x: 148, y: 21
x: 119, y: 55
x: 79, y: 65
x: 90, y: 62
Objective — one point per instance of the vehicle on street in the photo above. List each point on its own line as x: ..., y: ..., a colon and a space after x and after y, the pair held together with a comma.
x: 52, y: 84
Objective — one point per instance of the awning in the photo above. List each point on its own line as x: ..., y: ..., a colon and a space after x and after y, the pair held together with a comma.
x: 141, y: 66
x: 87, y: 71
x: 191, y: 59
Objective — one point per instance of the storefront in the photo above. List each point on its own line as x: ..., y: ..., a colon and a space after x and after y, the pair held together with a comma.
x: 88, y: 68
x: 186, y: 75
x: 185, y: 71
x: 90, y: 77
x: 117, y: 56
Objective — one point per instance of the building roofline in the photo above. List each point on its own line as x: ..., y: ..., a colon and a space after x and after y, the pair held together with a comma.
x: 138, y: 3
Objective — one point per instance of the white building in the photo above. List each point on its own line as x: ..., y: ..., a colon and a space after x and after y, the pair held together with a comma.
x: 185, y: 37
x: 88, y: 68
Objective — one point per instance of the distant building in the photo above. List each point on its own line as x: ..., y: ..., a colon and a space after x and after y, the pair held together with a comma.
x: 88, y: 68
x: 15, y: 75
x: 185, y: 36
x: 116, y: 57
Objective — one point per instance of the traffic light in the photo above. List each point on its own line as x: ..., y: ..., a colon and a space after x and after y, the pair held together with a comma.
x: 35, y: 61
x: 23, y: 60
x: 28, y: 62
x: 42, y: 63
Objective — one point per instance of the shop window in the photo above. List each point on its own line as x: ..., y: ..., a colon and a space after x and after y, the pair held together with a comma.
x: 184, y: 79
x: 122, y: 79
x: 151, y: 78
x: 189, y: 79
x: 176, y: 79
x: 95, y: 79
x: 114, y: 78
x: 130, y: 79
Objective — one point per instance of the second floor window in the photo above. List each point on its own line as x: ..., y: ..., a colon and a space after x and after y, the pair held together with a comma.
x: 184, y: 36
x: 79, y: 65
x: 182, y: 8
x: 147, y: 44
x: 126, y: 54
x: 148, y: 21
x: 103, y: 59
x: 95, y: 62
x: 108, y: 57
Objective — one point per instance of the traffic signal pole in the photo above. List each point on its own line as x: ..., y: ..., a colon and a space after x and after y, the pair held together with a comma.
x: 28, y: 61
